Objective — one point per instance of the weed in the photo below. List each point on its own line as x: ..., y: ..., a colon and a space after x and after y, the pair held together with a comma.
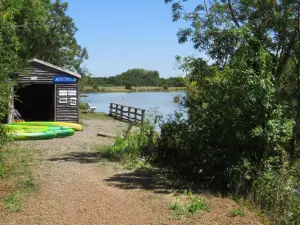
x: 13, y: 202
x: 192, y: 205
x: 196, y: 204
x: 30, y: 185
x: 178, y: 208
x: 237, y: 212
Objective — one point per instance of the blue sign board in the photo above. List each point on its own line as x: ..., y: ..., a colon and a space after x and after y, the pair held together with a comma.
x: 64, y: 80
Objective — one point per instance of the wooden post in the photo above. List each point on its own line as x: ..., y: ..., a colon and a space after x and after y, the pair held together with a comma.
x: 135, y: 115
x: 129, y: 109
x: 122, y: 113
x: 110, y: 109
x: 143, y: 115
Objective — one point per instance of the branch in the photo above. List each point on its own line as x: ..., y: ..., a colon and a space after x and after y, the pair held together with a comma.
x: 205, y: 7
x: 232, y: 14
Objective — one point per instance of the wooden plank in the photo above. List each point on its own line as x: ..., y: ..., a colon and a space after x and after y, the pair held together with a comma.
x: 106, y: 134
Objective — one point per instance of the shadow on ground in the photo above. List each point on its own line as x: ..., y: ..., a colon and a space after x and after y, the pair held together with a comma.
x: 147, y: 179
x: 156, y: 180
x: 80, y: 157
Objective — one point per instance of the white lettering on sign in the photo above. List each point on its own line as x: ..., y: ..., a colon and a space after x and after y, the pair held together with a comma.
x: 64, y: 79
x: 33, y: 78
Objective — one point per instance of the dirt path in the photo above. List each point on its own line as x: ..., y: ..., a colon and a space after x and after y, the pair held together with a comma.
x: 78, y: 187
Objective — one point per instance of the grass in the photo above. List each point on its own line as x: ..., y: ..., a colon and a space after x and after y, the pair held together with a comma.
x: 93, y: 116
x: 16, y: 178
x: 13, y: 202
x: 134, y: 89
x: 189, y: 205
x: 237, y: 212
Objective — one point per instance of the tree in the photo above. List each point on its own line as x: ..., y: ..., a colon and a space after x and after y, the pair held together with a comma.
x: 242, y: 133
x: 48, y: 33
x: 34, y: 28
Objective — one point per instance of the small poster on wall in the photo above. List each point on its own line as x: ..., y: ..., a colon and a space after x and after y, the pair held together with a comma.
x: 63, y: 93
x: 73, y: 101
x: 63, y: 100
x: 72, y: 92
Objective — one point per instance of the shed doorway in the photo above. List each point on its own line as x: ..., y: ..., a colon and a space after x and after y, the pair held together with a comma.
x: 35, y: 102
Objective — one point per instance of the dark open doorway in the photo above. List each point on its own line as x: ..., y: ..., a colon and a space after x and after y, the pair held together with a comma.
x: 35, y: 102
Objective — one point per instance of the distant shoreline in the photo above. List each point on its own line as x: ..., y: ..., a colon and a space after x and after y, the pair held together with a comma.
x: 134, y: 89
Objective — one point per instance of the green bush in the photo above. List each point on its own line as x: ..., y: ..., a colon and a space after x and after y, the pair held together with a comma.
x: 237, y: 138
x: 135, y: 145
x: 83, y: 106
x: 128, y: 86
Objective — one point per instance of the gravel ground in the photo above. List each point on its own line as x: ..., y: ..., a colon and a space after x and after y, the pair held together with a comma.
x: 78, y: 187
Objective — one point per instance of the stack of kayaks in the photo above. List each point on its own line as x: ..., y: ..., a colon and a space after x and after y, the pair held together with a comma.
x: 40, y: 130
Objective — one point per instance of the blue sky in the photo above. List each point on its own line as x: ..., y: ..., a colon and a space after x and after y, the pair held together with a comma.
x: 124, y: 34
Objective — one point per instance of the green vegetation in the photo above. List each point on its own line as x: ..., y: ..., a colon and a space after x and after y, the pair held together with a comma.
x: 133, y: 79
x: 135, y: 146
x: 93, y: 116
x: 190, y: 205
x: 242, y: 134
x: 87, y: 89
x: 237, y: 212
x: 13, y: 202
x: 34, y: 29
x: 16, y: 178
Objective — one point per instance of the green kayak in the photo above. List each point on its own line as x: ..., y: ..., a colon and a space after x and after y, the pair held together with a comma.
x: 59, y: 131
x: 32, y: 136
x: 75, y: 126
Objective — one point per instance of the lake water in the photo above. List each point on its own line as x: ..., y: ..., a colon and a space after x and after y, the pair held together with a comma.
x: 161, y: 101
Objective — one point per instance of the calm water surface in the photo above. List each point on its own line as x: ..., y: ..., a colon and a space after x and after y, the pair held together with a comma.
x: 161, y: 101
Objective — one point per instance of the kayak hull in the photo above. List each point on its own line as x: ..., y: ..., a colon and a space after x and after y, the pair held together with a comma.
x: 32, y: 136
x: 59, y: 131
x: 75, y: 126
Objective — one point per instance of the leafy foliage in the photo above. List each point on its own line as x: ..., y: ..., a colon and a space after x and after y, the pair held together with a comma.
x: 34, y: 29
x: 133, y: 77
x: 242, y: 134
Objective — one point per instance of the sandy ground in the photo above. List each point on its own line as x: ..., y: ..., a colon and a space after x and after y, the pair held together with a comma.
x: 78, y: 187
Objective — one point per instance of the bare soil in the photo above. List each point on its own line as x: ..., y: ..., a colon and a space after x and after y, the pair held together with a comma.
x: 77, y: 187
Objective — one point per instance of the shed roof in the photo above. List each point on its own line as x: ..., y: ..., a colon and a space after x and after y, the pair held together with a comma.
x: 55, y: 67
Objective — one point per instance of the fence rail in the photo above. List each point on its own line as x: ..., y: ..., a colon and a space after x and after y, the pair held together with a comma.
x: 126, y: 113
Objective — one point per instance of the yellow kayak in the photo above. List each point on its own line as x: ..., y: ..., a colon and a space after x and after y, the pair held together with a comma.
x: 74, y: 126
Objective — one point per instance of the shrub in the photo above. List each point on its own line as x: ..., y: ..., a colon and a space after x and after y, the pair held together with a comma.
x: 135, y: 145
x: 83, y: 106
x: 128, y: 87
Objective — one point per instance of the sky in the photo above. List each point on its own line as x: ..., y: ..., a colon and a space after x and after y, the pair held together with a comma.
x: 125, y: 34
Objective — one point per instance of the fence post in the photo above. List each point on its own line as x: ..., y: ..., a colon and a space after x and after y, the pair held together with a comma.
x: 129, y: 109
x: 143, y: 115
x: 122, y: 107
x: 110, y: 109
x: 135, y: 115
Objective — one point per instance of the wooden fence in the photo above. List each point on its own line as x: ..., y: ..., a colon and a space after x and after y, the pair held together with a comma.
x: 127, y: 113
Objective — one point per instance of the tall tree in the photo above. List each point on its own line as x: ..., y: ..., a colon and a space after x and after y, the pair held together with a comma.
x: 49, y: 34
